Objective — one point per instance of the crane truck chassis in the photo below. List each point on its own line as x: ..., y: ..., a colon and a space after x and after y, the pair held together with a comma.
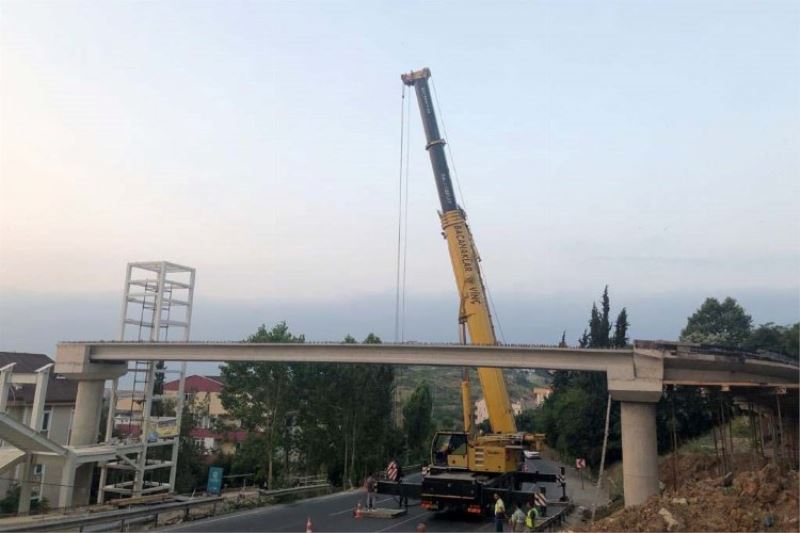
x: 467, y: 468
x: 444, y: 490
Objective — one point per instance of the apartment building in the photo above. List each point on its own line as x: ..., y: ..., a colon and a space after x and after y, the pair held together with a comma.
x: 56, y: 424
x: 214, y: 430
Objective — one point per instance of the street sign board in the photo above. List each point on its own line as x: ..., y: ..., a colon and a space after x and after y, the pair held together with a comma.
x: 580, y: 463
x: 214, y: 485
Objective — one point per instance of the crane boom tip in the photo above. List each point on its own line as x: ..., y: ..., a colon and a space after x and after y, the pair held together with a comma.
x: 412, y: 77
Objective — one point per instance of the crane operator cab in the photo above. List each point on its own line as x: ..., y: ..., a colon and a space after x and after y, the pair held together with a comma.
x: 449, y: 450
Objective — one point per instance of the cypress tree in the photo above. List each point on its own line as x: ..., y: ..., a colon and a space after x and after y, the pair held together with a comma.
x: 620, y: 339
x: 605, y: 325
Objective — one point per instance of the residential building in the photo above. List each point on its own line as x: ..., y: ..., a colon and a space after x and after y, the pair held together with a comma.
x: 56, y: 425
x: 128, y: 413
x: 214, y: 429
x: 482, y: 411
x: 540, y: 394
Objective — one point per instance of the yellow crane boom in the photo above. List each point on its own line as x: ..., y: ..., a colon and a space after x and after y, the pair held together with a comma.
x: 474, y: 309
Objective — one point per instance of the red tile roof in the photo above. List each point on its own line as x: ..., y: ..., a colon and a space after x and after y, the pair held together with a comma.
x: 195, y: 383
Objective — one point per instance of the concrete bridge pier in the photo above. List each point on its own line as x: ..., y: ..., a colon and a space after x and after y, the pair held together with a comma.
x: 86, y: 422
x: 638, y: 389
x: 639, y: 451
x: 91, y: 377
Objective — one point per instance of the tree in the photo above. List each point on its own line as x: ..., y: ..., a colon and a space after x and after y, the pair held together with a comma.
x: 372, y: 339
x: 573, y: 416
x: 621, y: 326
x: 605, y: 325
x: 417, y: 424
x: 724, y: 324
x: 344, y: 417
x: 530, y: 421
x: 777, y: 339
x: 158, y: 389
x: 191, y: 471
x: 258, y: 394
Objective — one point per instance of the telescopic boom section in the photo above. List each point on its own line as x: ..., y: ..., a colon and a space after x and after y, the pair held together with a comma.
x: 465, y: 260
x: 435, y: 143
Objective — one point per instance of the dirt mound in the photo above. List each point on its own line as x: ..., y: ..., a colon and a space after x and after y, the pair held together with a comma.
x: 765, y: 499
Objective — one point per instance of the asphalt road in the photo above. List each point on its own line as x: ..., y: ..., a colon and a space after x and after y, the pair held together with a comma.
x: 335, y: 513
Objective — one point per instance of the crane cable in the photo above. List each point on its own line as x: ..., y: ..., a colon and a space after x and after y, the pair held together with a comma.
x: 405, y: 223
x: 402, y: 239
x: 402, y: 220
x: 399, y: 218
x: 492, y: 306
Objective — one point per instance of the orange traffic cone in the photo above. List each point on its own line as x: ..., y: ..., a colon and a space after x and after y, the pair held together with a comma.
x: 358, y: 512
x: 309, y: 526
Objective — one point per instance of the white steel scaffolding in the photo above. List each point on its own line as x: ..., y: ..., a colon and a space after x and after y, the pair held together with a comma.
x: 156, y: 305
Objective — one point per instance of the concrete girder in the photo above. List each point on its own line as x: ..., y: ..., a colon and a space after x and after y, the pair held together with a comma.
x: 401, y: 354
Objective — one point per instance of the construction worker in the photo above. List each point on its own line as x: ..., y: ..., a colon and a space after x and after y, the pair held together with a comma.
x: 530, y: 517
x: 403, y: 498
x: 372, y: 490
x: 517, y: 520
x: 499, y: 512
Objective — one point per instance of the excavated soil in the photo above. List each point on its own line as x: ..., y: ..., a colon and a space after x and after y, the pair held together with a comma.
x: 760, y: 499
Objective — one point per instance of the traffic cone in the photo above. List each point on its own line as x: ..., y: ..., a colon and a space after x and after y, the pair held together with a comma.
x: 358, y: 512
x: 309, y: 526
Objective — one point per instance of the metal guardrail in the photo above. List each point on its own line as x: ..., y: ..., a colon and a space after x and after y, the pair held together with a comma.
x: 553, y: 522
x: 124, y: 517
x: 121, y: 517
x: 292, y: 490
x: 304, y: 481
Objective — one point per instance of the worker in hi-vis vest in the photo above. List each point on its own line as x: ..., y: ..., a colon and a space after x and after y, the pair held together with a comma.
x: 499, y: 512
x: 530, y: 517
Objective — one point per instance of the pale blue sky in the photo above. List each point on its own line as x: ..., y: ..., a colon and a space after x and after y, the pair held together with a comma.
x: 652, y: 146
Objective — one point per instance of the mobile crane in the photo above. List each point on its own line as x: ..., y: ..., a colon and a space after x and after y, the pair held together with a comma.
x: 467, y: 467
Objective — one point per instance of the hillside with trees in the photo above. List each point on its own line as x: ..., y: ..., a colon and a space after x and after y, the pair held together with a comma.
x: 573, y: 417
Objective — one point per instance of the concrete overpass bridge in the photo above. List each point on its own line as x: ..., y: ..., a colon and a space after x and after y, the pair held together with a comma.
x: 636, y: 376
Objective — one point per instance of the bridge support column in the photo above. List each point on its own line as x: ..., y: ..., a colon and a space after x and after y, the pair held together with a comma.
x: 73, y: 361
x: 86, y: 423
x: 639, y: 451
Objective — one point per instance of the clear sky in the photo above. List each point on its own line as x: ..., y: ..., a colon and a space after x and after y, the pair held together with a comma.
x: 651, y: 146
